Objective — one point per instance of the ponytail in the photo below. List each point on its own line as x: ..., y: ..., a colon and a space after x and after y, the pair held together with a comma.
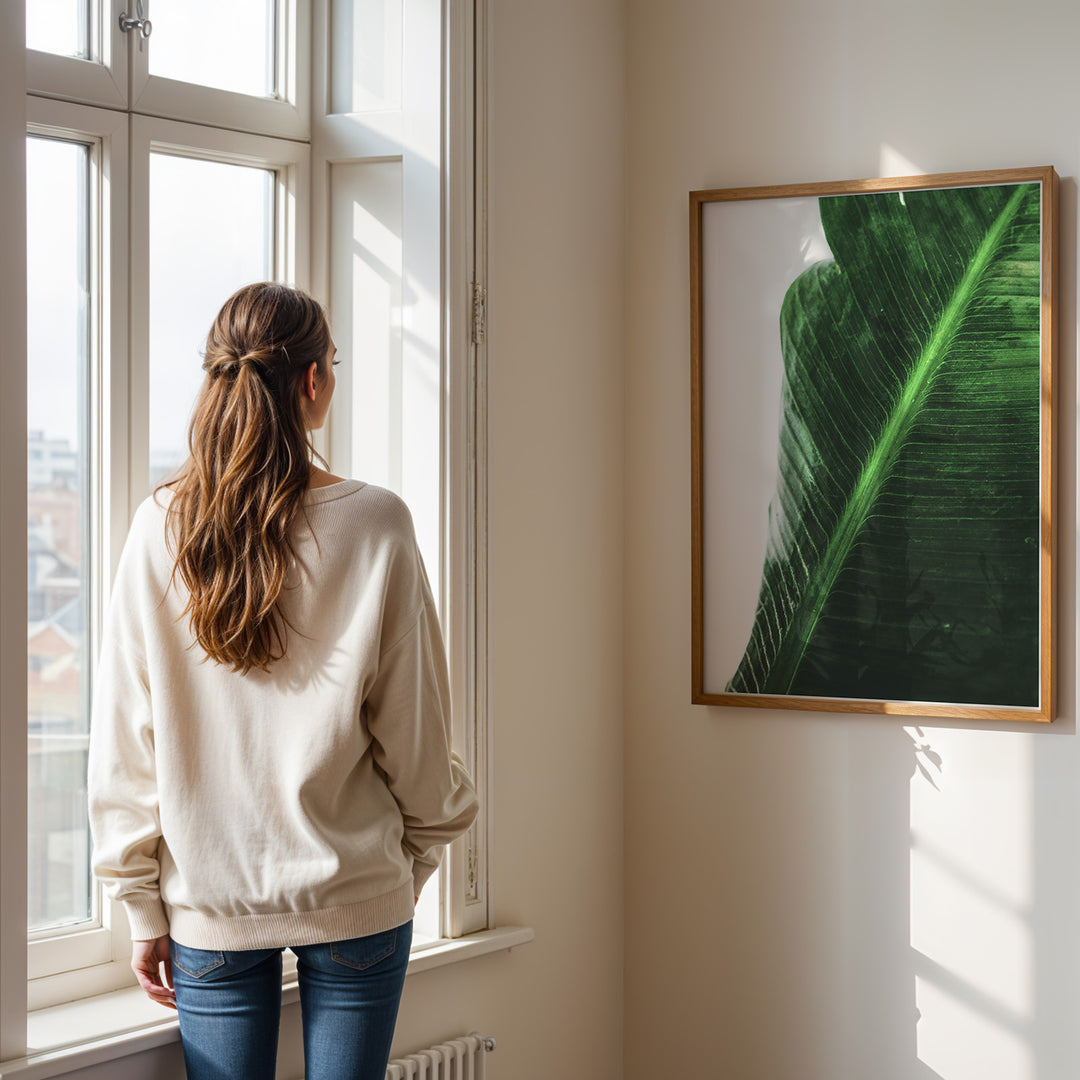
x: 243, y: 485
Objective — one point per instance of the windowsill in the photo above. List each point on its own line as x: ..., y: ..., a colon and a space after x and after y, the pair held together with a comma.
x: 83, y: 1033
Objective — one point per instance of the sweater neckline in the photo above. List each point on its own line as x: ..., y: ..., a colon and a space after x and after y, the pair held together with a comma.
x: 328, y: 492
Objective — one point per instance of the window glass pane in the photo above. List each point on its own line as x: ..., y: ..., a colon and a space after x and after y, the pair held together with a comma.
x: 211, y: 231
x: 58, y: 26
x: 58, y: 502
x: 228, y: 46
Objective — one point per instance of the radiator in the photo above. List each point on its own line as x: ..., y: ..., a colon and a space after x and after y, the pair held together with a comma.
x: 456, y: 1059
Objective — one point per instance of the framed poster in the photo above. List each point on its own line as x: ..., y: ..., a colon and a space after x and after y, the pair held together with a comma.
x: 873, y: 445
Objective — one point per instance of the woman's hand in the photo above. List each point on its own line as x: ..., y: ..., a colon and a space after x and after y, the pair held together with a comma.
x: 148, y: 958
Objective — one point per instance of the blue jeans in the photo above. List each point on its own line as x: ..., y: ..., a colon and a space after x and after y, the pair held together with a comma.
x: 229, y: 1005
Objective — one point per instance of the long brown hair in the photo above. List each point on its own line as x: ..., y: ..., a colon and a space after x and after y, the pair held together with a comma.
x: 243, y: 485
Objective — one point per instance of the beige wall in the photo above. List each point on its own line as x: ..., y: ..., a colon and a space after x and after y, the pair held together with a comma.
x: 800, y: 900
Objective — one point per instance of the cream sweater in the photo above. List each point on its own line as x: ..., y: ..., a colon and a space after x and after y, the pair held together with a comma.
x: 304, y: 805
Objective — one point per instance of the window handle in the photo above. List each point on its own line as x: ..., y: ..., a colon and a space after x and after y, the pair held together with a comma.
x: 142, y: 24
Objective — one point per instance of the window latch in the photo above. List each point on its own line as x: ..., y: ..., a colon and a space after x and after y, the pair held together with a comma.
x: 142, y: 24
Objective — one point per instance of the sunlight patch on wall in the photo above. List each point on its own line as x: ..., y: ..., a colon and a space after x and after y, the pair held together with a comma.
x: 971, y: 901
x: 892, y: 163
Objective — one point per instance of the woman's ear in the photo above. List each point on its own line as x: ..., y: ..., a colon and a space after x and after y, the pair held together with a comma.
x: 309, y: 380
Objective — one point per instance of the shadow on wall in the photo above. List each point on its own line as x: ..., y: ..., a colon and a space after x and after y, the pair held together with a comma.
x: 953, y: 932
x: 971, y: 939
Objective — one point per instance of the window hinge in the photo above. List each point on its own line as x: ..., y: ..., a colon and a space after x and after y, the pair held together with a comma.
x: 479, y: 313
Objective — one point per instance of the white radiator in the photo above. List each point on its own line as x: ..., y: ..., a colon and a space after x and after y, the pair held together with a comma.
x: 456, y: 1059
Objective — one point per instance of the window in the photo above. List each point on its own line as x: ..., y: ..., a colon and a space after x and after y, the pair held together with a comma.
x: 126, y: 252
x: 142, y: 153
x: 73, y: 233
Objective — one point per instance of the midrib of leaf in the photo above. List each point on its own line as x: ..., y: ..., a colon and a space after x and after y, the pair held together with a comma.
x: 878, y: 465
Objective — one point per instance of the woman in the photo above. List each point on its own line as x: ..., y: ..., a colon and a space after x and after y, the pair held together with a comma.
x: 270, y: 759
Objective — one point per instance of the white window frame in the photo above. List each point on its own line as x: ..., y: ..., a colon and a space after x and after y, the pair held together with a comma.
x: 13, y: 457
x: 105, y: 85
x: 470, y: 903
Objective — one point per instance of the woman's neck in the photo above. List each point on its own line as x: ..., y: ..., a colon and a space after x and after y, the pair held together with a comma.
x: 321, y: 478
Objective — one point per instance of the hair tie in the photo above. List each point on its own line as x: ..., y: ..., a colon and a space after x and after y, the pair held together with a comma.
x: 230, y: 364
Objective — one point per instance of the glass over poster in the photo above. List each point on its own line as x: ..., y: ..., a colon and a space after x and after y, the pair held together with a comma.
x: 872, y: 445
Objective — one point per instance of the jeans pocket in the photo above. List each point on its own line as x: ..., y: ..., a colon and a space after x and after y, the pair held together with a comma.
x: 364, y: 952
x: 195, y: 962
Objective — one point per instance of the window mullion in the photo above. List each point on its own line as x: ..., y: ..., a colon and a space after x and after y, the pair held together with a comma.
x: 137, y: 317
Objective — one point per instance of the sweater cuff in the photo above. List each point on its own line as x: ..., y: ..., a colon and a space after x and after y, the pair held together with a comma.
x: 146, y: 918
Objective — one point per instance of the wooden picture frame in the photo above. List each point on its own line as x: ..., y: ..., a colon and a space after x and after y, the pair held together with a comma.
x: 872, y: 445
